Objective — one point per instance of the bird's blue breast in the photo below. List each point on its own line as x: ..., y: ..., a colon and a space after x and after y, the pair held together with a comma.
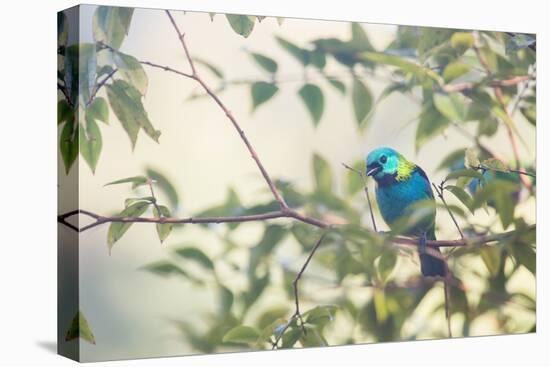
x: 395, y: 200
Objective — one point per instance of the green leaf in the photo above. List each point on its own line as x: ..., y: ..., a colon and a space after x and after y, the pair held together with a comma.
x: 354, y: 183
x: 322, y: 173
x: 226, y: 299
x: 313, y: 98
x: 386, y: 264
x: 431, y: 124
x: 213, y: 69
x: 452, y: 106
x: 491, y: 256
x: 494, y: 164
x: 530, y: 113
x: 241, y: 24
x: 164, y: 269
x: 164, y: 185
x: 341, y: 87
x: 526, y: 256
x: 110, y: 25
x: 267, y: 63
x: 135, y: 181
x: 164, y: 229
x: 455, y: 70
x: 297, y: 52
x: 80, y: 328
x: 98, y: 110
x: 262, y: 92
x: 195, y: 254
x: 462, y: 40
x: 68, y: 144
x: 91, y: 142
x: 471, y: 159
x: 126, y: 103
x: 362, y: 100
x: 64, y: 112
x: 132, y: 71
x: 242, y: 335
x: 487, y: 126
x: 464, y: 173
x: 425, y: 76
x: 461, y: 195
x: 320, y: 315
x: 118, y: 229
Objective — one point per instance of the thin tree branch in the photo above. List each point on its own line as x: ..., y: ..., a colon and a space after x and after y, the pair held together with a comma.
x: 229, y: 114
x: 366, y: 189
x: 63, y: 90
x: 500, y: 99
x: 461, y: 87
x: 100, y: 85
x: 297, y: 315
x: 399, y: 240
x: 439, y: 191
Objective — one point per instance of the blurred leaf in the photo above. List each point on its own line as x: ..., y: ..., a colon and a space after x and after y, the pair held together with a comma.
x: 267, y: 63
x: 135, y: 181
x: 298, y: 53
x: 213, y: 69
x: 126, y: 103
x: 530, y: 113
x: 118, y: 229
x: 491, y: 256
x: 487, y: 126
x: 271, y: 315
x: 320, y: 315
x: 312, y: 338
x: 80, y: 328
x: 317, y: 58
x: 195, y: 254
x: 425, y: 76
x: 455, y: 70
x: 471, y: 159
x: 226, y: 299
x: 262, y: 92
x: 273, y: 235
x: 462, y: 40
x: 164, y: 269
x: 494, y: 164
x: 452, y: 106
x: 80, y: 71
x: 164, y: 185
x: 132, y: 71
x: 359, y: 38
x: 341, y: 87
x: 241, y: 24
x: 386, y: 264
x: 312, y: 96
x: 362, y: 100
x: 464, y: 173
x: 68, y: 144
x: 241, y: 334
x: 98, y: 110
x: 353, y: 182
x: 111, y: 24
x: 62, y: 28
x: 431, y: 124
x: 322, y: 173
x: 451, y: 160
x: 461, y: 195
x: 164, y: 229
x: 91, y: 142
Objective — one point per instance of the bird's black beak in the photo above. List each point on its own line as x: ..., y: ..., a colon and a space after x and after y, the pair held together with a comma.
x: 373, y: 169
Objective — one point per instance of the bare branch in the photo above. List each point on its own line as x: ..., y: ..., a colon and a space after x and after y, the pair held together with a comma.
x: 229, y: 114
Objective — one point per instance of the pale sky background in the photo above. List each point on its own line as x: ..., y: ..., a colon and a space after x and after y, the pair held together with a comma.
x: 199, y: 150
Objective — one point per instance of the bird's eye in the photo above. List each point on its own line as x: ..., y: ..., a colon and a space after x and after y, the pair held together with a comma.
x: 383, y: 159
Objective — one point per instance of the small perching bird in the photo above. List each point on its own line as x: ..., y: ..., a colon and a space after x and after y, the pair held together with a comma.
x: 406, y: 202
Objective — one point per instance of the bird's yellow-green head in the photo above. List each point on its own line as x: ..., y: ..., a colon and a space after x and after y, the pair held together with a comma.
x: 384, y: 163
